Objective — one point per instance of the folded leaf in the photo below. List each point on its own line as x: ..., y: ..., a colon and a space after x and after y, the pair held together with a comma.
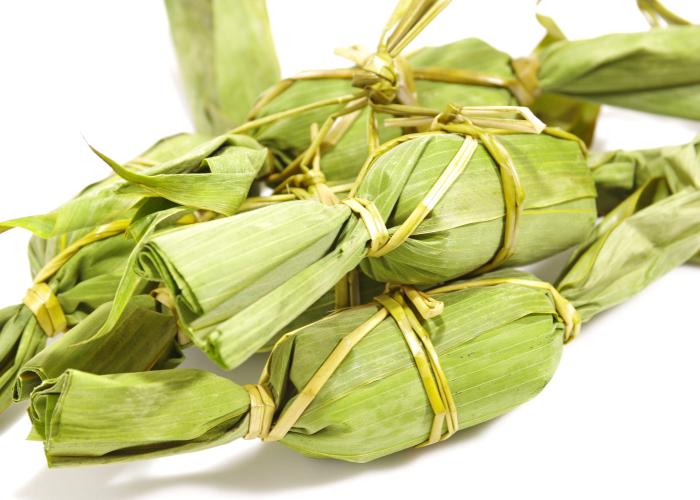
x: 656, y: 71
x: 143, y: 339
x: 215, y: 174
x: 86, y: 281
x: 635, y: 244
x: 618, y: 174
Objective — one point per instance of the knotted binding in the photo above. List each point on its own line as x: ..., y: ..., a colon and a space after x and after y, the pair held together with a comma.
x: 262, y: 410
x: 418, y: 341
x: 41, y: 300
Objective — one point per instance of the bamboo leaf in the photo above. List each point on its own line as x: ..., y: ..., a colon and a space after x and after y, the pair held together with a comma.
x: 618, y: 173
x: 655, y: 71
x: 635, y: 244
x: 222, y: 190
x: 226, y: 56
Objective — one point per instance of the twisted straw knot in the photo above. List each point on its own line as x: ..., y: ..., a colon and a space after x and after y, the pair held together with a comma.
x: 373, y: 221
x: 262, y: 409
x: 451, y: 114
x: 306, y: 179
x: 300, y: 185
x: 47, y: 310
x: 385, y: 78
x: 428, y: 307
x: 378, y: 76
x: 310, y: 184
x: 313, y: 178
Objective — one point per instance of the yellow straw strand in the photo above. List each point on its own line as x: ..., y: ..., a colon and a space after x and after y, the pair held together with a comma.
x: 565, y: 309
x: 41, y: 300
x: 262, y: 409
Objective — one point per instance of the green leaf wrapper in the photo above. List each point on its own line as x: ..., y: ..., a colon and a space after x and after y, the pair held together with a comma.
x: 142, y: 340
x: 662, y: 172
x: 86, y: 281
x: 211, y: 175
x: 618, y: 174
x: 656, y: 71
x: 90, y: 208
x: 636, y: 243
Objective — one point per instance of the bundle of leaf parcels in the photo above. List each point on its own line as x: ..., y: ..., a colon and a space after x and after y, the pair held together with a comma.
x: 452, y: 205
x: 369, y: 381
x: 474, y: 189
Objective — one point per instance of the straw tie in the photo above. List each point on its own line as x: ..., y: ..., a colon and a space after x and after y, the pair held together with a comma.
x: 41, y: 300
x: 565, y: 309
x: 384, y: 78
x: 262, y: 409
x: 526, y: 86
x: 425, y: 356
x: 311, y: 182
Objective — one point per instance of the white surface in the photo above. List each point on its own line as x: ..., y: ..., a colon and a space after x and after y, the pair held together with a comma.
x: 618, y: 420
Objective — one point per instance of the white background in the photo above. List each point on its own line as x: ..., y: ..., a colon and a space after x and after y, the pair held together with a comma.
x: 618, y: 420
